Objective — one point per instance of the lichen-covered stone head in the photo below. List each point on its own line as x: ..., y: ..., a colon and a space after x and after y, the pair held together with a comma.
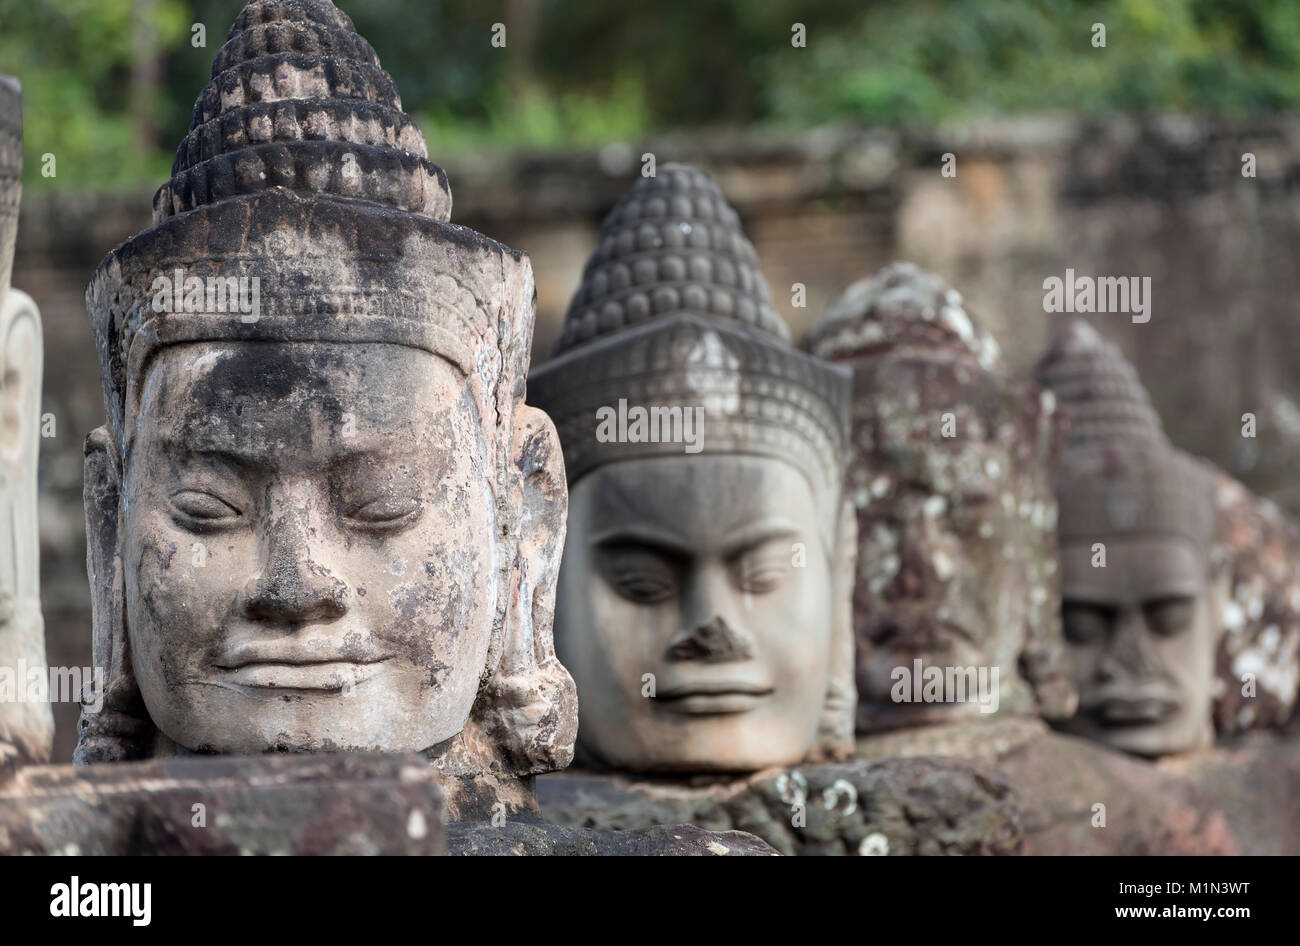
x: 954, y: 607
x: 703, y: 602
x: 321, y: 515
x: 1142, y: 598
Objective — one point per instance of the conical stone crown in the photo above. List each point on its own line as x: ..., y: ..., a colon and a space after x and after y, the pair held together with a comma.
x: 302, y: 175
x: 298, y: 100
x: 1097, y: 388
x: 672, y: 245
x: 1118, y: 472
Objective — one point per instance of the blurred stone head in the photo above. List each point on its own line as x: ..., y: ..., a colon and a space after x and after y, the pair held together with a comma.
x: 26, y: 725
x: 1142, y: 600
x: 703, y: 598
x: 950, y: 479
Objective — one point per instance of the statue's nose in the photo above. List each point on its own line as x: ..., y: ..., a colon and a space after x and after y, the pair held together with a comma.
x: 1130, y: 653
x: 714, y: 641
x: 292, y: 587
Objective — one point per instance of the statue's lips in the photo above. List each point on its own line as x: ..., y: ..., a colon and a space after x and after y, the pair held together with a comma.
x: 712, y: 699
x: 917, y: 635
x: 1131, y: 711
x: 276, y: 666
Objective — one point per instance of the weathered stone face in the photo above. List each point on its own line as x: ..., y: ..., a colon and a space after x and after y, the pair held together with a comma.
x: 327, y: 520
x: 302, y: 571
x: 950, y: 481
x: 1142, y: 633
x: 955, y: 557
x: 712, y: 574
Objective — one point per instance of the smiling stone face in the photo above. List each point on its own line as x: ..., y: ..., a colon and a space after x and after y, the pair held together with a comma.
x: 713, y: 574
x: 301, y: 571
x: 331, y: 522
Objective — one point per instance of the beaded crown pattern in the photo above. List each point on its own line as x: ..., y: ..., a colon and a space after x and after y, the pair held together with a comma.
x: 298, y: 100
x: 673, y: 245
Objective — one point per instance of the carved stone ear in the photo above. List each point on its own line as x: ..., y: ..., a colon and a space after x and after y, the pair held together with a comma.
x: 835, y: 731
x: 529, y: 707
x: 121, y: 729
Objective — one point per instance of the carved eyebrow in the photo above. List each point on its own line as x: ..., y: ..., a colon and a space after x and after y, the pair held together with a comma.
x: 756, y: 534
x: 652, y: 539
x: 1085, y: 600
x: 1168, y: 596
x: 237, y: 462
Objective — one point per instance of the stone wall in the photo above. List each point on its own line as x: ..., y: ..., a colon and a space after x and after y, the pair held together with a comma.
x: 1162, y: 197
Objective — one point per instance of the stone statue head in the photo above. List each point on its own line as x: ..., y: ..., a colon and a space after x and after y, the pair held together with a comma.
x: 1142, y: 599
x: 321, y: 516
x: 25, y: 725
x: 950, y: 476
x: 703, y: 600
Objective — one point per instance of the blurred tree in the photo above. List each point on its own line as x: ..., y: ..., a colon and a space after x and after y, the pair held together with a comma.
x: 581, y: 72
x: 75, y: 60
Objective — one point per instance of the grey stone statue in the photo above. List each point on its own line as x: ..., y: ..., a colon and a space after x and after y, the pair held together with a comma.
x: 26, y: 722
x: 321, y: 515
x: 703, y: 599
x: 954, y: 606
x: 1142, y: 595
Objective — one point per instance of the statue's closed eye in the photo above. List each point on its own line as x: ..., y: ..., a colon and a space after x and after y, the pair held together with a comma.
x: 388, y: 513
x: 197, y: 510
x: 1085, y: 623
x: 1170, y: 615
x: 762, y: 570
x: 638, y: 575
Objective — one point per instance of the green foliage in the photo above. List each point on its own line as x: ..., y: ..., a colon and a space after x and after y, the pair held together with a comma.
x: 74, y: 59
x: 934, y: 59
x: 581, y: 72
